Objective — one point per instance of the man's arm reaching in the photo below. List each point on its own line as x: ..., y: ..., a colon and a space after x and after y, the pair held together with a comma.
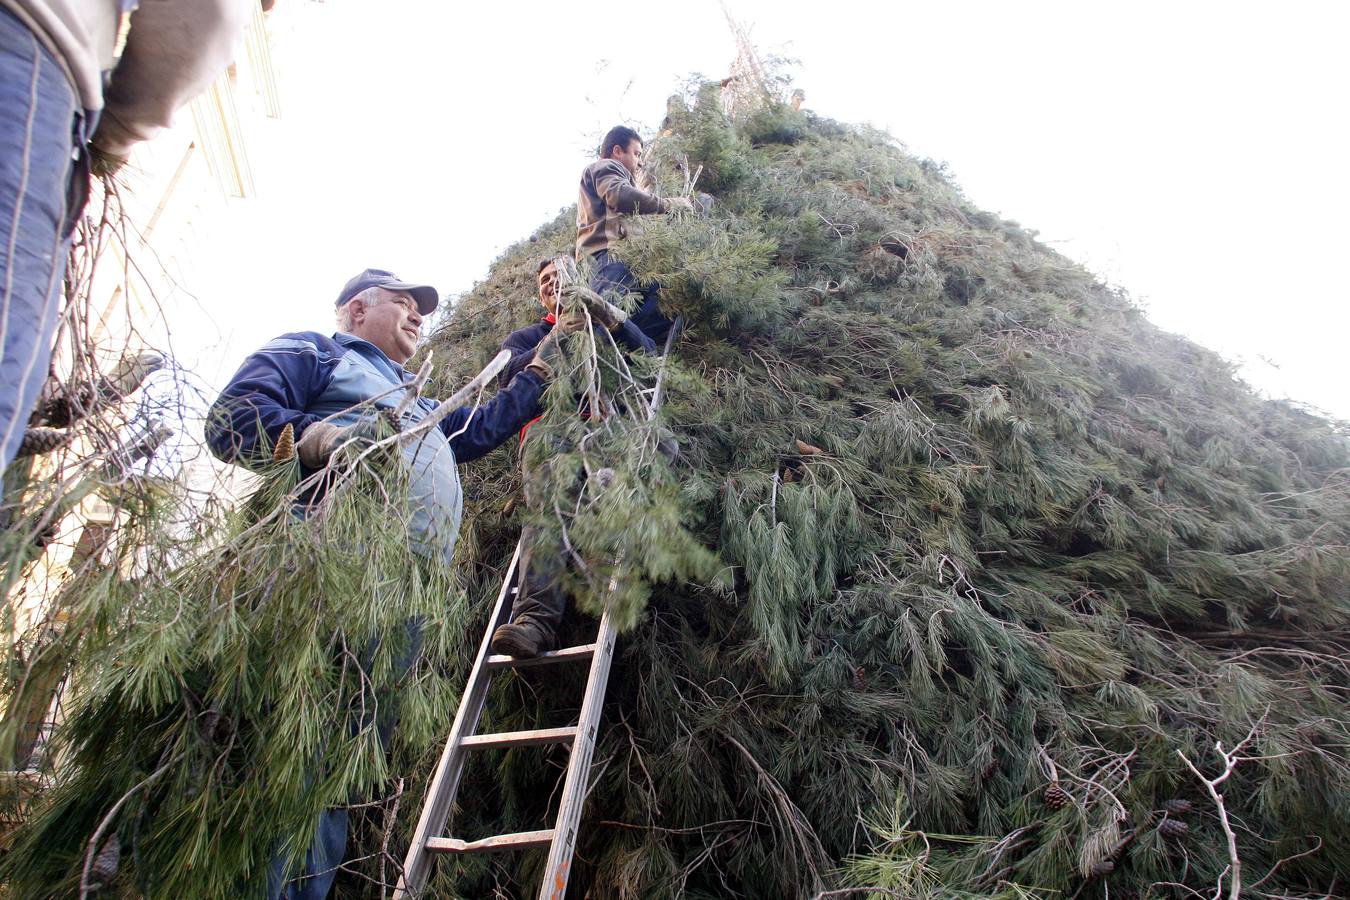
x: 475, y: 431
x: 613, y: 184
x: 522, y: 344
x: 174, y: 48
x: 630, y: 336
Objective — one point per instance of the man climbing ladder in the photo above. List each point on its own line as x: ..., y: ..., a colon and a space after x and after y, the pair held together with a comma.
x: 540, y: 602
x: 430, y: 838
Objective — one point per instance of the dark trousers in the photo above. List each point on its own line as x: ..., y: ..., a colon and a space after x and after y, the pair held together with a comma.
x: 611, y: 275
x: 541, y: 596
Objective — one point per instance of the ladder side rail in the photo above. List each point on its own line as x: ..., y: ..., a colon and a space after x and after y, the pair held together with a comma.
x: 445, y: 784
x: 559, y: 863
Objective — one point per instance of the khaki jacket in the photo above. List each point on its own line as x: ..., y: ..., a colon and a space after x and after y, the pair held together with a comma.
x: 607, y: 196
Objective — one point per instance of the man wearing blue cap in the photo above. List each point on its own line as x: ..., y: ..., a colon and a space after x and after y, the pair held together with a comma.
x: 331, y: 390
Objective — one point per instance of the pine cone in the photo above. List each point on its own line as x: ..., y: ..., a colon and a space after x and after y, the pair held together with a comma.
x: 807, y: 449
x: 104, y: 869
x: 1177, y: 806
x: 1101, y: 868
x: 1055, y: 796
x: 1125, y: 840
x: 860, y: 679
x: 43, y: 440
x: 1173, y: 828
x: 285, y: 448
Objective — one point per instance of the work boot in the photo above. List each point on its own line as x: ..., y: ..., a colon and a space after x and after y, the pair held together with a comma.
x: 525, y: 638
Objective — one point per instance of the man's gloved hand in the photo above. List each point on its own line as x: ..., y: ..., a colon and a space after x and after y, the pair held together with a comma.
x: 569, y: 320
x: 317, y: 444
x: 601, y: 310
x: 548, y: 354
x: 679, y: 204
x: 103, y: 164
x: 131, y: 371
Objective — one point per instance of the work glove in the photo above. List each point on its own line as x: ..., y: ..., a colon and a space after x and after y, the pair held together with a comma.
x: 315, y: 447
x: 548, y: 354
x: 601, y: 310
x: 569, y: 320
x: 131, y: 371
x: 679, y: 204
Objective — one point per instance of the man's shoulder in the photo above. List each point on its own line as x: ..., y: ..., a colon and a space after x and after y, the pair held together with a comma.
x: 530, y: 334
x: 305, y: 342
x: 605, y: 167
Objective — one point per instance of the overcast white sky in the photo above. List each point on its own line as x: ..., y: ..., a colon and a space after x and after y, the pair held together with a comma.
x: 1191, y: 153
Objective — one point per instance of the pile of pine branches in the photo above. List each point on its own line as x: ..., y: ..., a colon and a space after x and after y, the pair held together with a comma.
x: 965, y: 580
x: 1009, y: 576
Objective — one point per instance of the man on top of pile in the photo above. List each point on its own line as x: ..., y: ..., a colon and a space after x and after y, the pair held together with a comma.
x: 608, y: 195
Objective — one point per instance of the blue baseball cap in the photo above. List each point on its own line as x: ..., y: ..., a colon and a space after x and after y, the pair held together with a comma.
x: 424, y: 294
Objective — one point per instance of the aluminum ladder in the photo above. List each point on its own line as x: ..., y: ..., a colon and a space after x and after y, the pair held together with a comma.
x: 428, y: 839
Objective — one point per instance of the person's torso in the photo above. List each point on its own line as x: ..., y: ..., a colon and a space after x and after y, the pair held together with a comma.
x: 80, y: 34
x: 364, y: 378
x: 598, y: 226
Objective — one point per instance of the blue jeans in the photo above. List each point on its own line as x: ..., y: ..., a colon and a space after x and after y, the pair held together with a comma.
x: 43, y: 186
x: 329, y: 847
x: 612, y: 275
x: 321, y: 862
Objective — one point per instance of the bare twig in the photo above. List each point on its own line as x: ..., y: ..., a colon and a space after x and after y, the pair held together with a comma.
x: 390, y: 818
x: 414, y: 390
x: 1230, y: 760
x: 1275, y: 868
x: 454, y: 402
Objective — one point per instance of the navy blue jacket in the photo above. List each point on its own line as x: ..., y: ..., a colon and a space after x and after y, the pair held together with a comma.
x: 301, y: 378
x: 524, y: 341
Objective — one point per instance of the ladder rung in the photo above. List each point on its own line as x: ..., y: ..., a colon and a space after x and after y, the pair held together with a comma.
x: 566, y: 654
x: 517, y: 841
x: 520, y: 738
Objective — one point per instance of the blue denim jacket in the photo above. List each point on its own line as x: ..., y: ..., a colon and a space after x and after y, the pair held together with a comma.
x: 298, y: 379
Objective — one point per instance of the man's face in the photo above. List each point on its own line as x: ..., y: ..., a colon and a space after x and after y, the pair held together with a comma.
x: 393, y: 325
x: 630, y: 157
x: 548, y: 288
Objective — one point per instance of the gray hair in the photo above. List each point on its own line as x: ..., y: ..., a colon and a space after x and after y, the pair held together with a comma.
x: 371, y: 296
